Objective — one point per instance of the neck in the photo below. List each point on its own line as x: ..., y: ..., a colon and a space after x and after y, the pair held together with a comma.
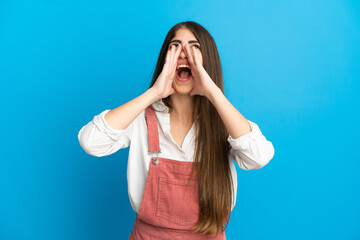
x: 182, y: 107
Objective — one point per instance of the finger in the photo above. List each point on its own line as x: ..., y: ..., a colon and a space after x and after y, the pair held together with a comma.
x: 196, y: 56
x: 193, y: 92
x: 168, y: 55
x: 178, y: 51
x: 171, y: 53
x: 173, y: 90
x: 175, y: 56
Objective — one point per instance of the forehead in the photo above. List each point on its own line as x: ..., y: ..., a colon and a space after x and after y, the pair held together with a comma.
x: 184, y: 34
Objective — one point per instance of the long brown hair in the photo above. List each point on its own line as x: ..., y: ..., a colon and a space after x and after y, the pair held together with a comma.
x: 212, y: 148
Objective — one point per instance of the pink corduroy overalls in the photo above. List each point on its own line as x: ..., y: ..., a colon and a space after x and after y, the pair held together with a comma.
x: 169, y: 208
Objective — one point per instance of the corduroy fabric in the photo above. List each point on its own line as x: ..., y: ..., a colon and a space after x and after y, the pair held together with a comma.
x: 170, y: 203
x: 153, y: 135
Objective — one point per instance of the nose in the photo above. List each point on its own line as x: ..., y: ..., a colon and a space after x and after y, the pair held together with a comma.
x: 182, y: 53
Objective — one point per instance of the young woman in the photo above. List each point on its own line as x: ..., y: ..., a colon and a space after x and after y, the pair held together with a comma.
x: 183, y: 134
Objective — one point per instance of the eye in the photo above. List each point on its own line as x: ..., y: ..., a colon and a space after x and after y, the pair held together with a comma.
x: 196, y: 46
x: 175, y: 44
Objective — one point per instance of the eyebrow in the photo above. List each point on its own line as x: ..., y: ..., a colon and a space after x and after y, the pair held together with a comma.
x: 178, y: 41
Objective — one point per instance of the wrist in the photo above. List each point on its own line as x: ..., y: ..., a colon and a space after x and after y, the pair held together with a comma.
x: 213, y: 92
x: 153, y: 93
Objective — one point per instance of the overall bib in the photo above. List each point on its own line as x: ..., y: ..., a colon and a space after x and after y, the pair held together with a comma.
x: 169, y: 207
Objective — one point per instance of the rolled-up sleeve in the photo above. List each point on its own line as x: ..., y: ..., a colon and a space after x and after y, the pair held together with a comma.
x: 97, y: 138
x: 252, y: 150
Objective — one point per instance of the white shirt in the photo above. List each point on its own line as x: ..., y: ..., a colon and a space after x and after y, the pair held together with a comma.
x: 97, y: 138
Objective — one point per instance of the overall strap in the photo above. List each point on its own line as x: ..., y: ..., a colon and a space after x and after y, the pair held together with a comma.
x: 153, y: 135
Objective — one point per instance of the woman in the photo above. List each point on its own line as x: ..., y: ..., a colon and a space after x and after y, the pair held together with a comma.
x: 183, y: 134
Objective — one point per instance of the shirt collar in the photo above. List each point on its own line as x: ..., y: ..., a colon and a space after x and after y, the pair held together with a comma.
x: 160, y: 106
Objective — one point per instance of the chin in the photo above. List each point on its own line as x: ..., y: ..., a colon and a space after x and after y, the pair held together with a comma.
x: 183, y: 90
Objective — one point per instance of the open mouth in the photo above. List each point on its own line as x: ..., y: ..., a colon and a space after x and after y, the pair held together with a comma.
x: 183, y: 73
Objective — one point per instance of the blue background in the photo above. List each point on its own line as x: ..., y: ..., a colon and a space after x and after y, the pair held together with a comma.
x: 293, y: 67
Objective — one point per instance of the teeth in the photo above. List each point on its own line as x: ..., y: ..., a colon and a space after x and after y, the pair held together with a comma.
x: 182, y: 66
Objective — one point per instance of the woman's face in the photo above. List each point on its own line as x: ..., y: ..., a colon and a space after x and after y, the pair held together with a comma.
x: 182, y: 36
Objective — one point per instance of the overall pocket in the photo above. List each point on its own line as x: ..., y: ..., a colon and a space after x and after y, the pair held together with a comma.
x: 178, y: 202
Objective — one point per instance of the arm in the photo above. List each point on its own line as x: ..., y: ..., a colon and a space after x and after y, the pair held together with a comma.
x: 122, y: 116
x: 112, y: 129
x: 234, y: 121
x: 249, y: 148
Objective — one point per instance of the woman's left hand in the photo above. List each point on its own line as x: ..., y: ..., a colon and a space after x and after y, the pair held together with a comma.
x: 203, y: 84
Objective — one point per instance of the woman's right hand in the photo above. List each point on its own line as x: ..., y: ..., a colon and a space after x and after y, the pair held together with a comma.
x: 163, y: 85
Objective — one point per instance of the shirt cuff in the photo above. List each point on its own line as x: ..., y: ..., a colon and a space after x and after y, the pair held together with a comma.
x: 104, y: 127
x: 243, y: 141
